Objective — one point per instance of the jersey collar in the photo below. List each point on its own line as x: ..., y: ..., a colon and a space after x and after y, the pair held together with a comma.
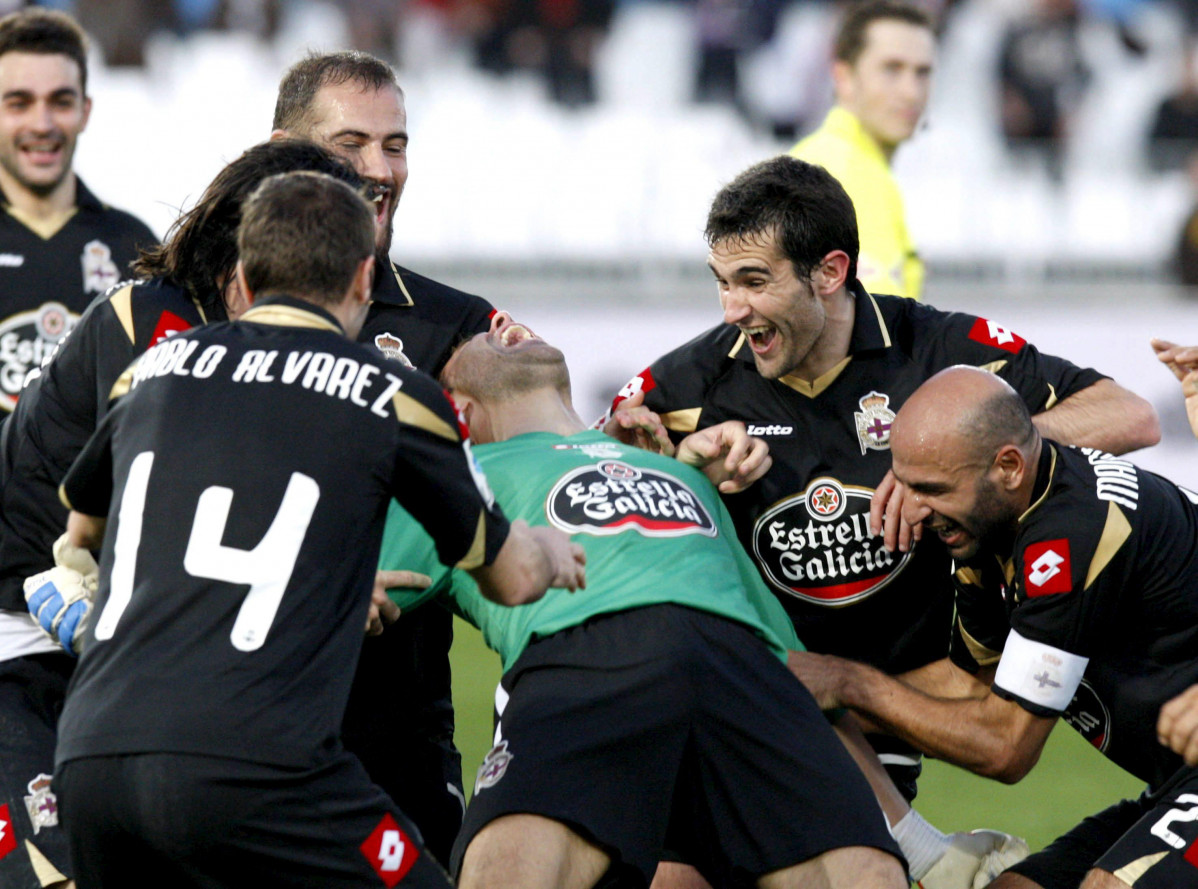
x: 869, y: 327
x: 84, y: 199
x: 843, y: 123
x: 1046, y: 470
x: 389, y: 287
x: 287, y: 311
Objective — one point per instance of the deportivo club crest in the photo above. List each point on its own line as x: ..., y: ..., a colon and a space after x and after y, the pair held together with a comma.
x: 873, y: 422
x: 613, y: 496
x: 99, y: 271
x: 392, y: 346
x: 493, y: 766
x: 41, y: 804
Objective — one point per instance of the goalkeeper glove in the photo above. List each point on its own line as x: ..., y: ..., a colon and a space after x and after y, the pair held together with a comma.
x: 974, y: 859
x: 60, y: 599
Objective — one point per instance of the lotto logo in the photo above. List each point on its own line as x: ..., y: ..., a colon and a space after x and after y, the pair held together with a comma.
x: 8, y: 839
x: 1046, y: 568
x: 168, y: 325
x: 390, y: 851
x: 994, y: 334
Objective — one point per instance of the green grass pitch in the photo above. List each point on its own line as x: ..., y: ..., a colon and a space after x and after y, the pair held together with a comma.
x: 1072, y: 779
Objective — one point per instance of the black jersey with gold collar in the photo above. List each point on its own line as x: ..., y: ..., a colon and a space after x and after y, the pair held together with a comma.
x: 49, y: 275
x: 246, y: 476
x: 418, y: 321
x: 806, y: 523
x: 59, y: 410
x: 1093, y: 605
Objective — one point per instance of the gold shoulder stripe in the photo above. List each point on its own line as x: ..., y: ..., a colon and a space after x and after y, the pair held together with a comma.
x: 47, y: 874
x: 686, y: 420
x: 289, y: 316
x: 1131, y: 872
x: 478, y: 549
x: 410, y: 411
x: 1052, y: 470
x: 1052, y: 397
x: 970, y: 576
x: 881, y: 323
x: 122, y: 304
x: 993, y: 367
x: 62, y: 497
x: 403, y: 288
x: 1008, y: 570
x: 814, y: 388
x: 199, y: 308
x: 123, y: 383
x: 740, y: 341
x: 979, y: 652
x: 44, y: 228
x: 1114, y: 535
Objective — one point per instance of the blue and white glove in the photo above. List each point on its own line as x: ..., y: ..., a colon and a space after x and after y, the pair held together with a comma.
x: 60, y: 599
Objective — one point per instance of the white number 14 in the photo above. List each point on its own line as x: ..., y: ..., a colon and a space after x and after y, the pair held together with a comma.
x: 266, y: 568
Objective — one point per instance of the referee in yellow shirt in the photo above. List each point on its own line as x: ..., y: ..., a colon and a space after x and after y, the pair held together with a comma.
x: 882, y: 75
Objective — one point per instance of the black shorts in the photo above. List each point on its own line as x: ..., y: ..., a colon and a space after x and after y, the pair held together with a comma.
x: 199, y: 821
x: 1150, y: 842
x: 666, y: 726
x: 399, y: 723
x: 33, y: 847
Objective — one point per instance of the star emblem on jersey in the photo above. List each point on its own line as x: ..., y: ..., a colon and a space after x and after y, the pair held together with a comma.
x: 817, y: 546
x: 873, y: 422
x: 1046, y: 568
x: 41, y: 803
x: 991, y: 333
x: 390, y: 851
x: 99, y: 271
x: 392, y: 346
x: 493, y: 767
x: 613, y: 496
x: 8, y: 838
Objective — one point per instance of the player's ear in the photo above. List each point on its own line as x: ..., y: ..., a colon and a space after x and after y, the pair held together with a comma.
x: 1011, y: 465
x: 831, y: 273
x: 276, y: 135
x: 87, y: 113
x: 363, y: 284
x: 238, y: 296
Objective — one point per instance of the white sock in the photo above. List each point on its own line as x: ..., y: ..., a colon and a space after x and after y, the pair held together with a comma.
x: 922, y: 843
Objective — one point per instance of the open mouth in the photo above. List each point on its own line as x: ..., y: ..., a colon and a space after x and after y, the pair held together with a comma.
x: 761, y: 337
x: 45, y: 151
x: 379, y: 195
x: 515, y: 334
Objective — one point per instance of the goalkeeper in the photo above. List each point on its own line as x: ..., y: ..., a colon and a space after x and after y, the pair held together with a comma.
x: 652, y: 711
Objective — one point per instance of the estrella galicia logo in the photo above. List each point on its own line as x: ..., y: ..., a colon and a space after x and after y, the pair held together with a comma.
x: 817, y: 546
x: 27, y: 340
x: 1089, y: 716
x: 613, y: 496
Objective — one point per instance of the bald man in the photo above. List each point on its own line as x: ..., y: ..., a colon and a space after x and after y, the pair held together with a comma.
x: 1077, y: 597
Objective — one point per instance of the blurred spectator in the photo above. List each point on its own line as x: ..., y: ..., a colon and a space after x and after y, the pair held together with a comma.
x: 556, y: 38
x: 1042, y: 76
x: 1174, y: 134
x: 1185, y: 254
x: 374, y: 26
x: 726, y: 29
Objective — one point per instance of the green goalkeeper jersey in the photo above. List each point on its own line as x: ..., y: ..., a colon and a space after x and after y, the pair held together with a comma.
x: 654, y: 531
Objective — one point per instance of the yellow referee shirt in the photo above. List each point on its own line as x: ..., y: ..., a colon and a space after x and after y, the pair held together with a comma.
x: 888, y: 262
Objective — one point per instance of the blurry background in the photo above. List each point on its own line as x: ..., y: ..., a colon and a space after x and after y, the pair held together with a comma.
x: 564, y: 153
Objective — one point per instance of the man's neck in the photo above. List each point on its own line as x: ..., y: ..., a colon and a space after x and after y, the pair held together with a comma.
x: 832, y: 347
x: 541, y: 410
x: 35, y: 207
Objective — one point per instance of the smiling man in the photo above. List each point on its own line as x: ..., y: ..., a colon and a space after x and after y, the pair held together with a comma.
x: 60, y: 247
x: 350, y: 103
x: 817, y: 366
x: 1077, y: 598
x: 882, y: 75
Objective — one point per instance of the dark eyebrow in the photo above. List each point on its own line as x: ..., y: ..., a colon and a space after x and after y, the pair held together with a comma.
x: 359, y: 134
x: 28, y: 94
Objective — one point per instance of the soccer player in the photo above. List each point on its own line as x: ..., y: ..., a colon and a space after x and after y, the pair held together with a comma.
x: 188, y: 281
x: 246, y: 474
x: 646, y: 709
x: 350, y: 103
x: 1076, y: 579
x: 60, y: 246
x: 882, y: 74
x: 817, y: 366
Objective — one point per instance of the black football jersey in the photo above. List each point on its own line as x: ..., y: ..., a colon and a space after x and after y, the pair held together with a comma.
x: 418, y: 321
x: 47, y: 281
x: 806, y: 523
x: 1093, y: 606
x: 246, y: 476
x: 59, y: 410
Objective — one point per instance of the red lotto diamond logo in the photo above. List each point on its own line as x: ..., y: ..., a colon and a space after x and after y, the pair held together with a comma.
x: 8, y: 836
x: 390, y: 851
x: 1046, y: 568
x: 168, y: 325
x: 992, y: 333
